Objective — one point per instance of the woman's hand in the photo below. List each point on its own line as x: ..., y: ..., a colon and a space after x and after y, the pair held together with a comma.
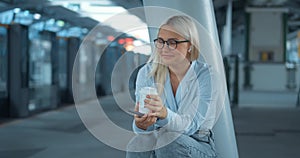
x: 154, y: 103
x: 145, y: 121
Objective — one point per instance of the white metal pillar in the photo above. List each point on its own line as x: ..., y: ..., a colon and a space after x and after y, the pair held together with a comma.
x: 203, y: 12
x: 227, y: 29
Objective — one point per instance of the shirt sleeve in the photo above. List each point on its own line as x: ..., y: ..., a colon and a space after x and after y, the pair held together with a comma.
x: 204, y: 104
x: 163, y: 122
x: 142, y: 81
x: 141, y: 131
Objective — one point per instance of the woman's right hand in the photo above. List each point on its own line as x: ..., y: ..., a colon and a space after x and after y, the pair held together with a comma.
x: 145, y: 121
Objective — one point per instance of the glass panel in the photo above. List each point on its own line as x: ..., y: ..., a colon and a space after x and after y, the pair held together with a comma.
x: 85, y: 62
x: 292, y: 51
x: 40, y: 72
x: 3, y: 61
x: 40, y: 69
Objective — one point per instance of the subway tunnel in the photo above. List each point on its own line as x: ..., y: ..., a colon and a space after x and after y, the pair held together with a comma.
x: 68, y: 73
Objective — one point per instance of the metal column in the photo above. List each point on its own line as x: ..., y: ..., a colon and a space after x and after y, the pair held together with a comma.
x: 72, y: 49
x: 18, y: 74
x: 203, y: 12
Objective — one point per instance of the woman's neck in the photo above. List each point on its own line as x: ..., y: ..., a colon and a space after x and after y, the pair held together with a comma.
x: 179, y: 70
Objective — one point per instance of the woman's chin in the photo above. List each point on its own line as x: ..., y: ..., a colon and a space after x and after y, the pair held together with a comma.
x: 167, y: 62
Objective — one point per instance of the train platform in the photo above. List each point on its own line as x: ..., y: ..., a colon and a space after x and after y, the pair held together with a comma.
x: 261, y: 132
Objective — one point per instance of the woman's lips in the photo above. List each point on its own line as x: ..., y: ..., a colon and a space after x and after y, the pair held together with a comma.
x: 166, y: 56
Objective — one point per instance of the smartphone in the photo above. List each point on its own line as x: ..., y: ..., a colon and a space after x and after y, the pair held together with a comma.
x: 136, y: 112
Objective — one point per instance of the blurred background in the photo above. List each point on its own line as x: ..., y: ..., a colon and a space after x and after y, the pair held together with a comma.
x: 39, y: 41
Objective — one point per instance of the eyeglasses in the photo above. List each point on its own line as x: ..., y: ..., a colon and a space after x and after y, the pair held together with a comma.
x: 172, y: 43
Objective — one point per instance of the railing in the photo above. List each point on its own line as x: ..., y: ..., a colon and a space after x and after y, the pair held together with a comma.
x: 298, y: 99
x: 231, y: 62
x: 291, y: 69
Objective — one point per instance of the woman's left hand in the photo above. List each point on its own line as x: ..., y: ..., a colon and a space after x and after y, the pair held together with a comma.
x: 154, y: 103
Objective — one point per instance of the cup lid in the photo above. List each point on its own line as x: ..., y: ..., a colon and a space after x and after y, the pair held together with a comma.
x: 148, y: 90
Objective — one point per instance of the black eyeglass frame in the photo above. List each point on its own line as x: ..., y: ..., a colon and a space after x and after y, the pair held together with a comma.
x: 167, y: 41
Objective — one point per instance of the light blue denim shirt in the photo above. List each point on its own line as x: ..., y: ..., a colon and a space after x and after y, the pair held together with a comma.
x: 187, y: 111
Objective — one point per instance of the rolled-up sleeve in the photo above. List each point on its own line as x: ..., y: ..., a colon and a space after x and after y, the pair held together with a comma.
x: 142, y: 80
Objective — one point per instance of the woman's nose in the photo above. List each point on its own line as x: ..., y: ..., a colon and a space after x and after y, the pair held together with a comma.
x: 165, y: 48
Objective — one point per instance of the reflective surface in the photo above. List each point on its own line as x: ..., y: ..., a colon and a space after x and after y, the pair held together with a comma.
x: 39, y: 61
x: 40, y: 70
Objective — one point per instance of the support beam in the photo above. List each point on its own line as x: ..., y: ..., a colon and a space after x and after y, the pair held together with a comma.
x: 203, y: 12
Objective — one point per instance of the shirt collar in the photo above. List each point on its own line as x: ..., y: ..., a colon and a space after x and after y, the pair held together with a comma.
x: 191, y: 73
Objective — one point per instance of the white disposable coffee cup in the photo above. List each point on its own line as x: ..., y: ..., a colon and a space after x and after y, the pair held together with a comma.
x: 143, y: 93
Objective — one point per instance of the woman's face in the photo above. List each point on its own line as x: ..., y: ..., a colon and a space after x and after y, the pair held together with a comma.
x: 172, y: 56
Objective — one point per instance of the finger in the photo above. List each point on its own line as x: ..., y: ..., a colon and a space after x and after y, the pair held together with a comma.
x: 145, y: 119
x: 149, y: 119
x: 154, y: 119
x: 152, y: 102
x: 153, y: 108
x: 153, y: 96
x: 137, y: 105
x: 137, y: 116
x: 140, y: 119
x: 154, y: 114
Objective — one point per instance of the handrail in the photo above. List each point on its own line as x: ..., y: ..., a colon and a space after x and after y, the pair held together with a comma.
x: 298, y: 98
x: 234, y: 99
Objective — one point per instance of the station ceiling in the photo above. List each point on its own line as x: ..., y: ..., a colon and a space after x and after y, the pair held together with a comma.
x: 239, y: 6
x: 45, y: 7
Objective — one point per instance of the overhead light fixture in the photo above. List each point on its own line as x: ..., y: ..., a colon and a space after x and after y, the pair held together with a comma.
x: 60, y: 23
x: 17, y: 10
x: 37, y: 16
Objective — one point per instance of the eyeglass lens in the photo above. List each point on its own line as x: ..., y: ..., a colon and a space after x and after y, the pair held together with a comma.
x: 171, y: 43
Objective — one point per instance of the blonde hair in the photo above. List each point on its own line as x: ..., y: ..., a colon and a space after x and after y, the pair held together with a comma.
x: 184, y: 26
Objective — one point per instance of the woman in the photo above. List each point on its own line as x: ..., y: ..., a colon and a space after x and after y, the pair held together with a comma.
x: 181, y: 110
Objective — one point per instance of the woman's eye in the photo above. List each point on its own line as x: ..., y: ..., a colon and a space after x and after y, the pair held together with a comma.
x: 171, y: 41
x: 160, y: 41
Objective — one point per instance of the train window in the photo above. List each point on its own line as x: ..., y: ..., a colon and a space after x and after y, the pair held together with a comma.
x: 39, y: 60
x: 40, y: 70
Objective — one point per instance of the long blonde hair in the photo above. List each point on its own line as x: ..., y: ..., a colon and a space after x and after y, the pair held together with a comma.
x: 186, y: 27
